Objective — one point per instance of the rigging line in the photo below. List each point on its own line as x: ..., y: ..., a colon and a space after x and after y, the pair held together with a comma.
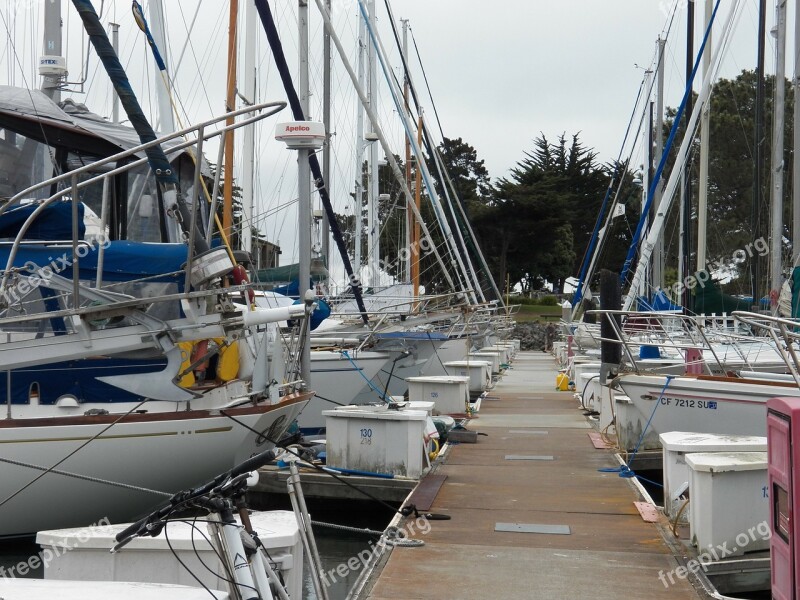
x: 92, y: 479
x: 189, y: 31
x: 435, y: 202
x: 343, y: 480
x: 46, y: 470
x: 656, y: 178
x: 28, y: 89
x: 427, y: 84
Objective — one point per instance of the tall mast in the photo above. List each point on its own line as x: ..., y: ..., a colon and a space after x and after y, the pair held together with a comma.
x: 410, y: 221
x: 702, y: 186
x: 115, y: 45
x: 359, y: 188
x: 304, y: 189
x: 758, y: 150
x: 415, y: 250
x: 166, y: 119
x: 249, y: 134
x: 796, y: 138
x: 326, y: 119
x: 52, y: 47
x: 658, y: 251
x: 230, y: 105
x: 776, y: 196
x: 686, y: 188
x: 647, y: 177
x: 373, y: 229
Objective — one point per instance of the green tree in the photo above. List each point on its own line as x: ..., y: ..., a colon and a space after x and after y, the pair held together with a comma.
x: 731, y: 226
x: 544, y: 211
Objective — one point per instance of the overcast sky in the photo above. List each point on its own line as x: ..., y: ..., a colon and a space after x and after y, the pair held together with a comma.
x: 500, y: 73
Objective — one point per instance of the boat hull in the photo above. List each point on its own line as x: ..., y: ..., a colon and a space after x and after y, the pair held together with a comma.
x: 705, y: 404
x: 163, y: 452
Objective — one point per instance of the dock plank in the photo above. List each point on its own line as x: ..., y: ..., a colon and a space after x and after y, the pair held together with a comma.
x: 466, y: 557
x: 425, y: 493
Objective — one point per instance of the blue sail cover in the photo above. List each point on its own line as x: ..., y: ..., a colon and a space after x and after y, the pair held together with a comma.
x: 53, y: 223
x: 123, y: 260
x: 323, y: 310
x: 660, y: 302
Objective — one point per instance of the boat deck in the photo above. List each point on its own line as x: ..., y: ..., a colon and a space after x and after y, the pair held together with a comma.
x: 537, y: 470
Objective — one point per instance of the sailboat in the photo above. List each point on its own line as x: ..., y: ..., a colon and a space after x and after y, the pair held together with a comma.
x: 104, y: 414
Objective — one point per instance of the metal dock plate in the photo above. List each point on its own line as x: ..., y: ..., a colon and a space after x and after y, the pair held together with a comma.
x: 533, y: 528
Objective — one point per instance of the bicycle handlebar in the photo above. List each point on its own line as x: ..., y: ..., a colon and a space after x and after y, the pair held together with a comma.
x: 139, y: 527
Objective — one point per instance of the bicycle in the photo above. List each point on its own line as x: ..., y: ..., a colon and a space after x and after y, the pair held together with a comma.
x: 248, y: 569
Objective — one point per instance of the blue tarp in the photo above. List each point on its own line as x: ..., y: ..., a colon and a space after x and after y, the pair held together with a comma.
x: 660, y: 302
x: 323, y: 310
x: 77, y: 377
x: 123, y: 261
x: 54, y: 222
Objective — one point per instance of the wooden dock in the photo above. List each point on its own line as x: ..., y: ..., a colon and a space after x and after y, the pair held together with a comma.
x: 532, y: 515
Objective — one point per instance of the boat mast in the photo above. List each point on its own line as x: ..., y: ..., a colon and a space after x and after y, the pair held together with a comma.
x: 418, y: 203
x: 686, y: 188
x: 115, y: 46
x: 702, y: 186
x: 373, y: 212
x: 304, y: 192
x: 758, y: 152
x: 776, y: 196
x: 249, y: 134
x: 410, y: 221
x: 796, y: 144
x: 166, y: 119
x: 326, y: 119
x: 658, y: 251
x: 51, y: 84
x: 359, y: 188
x: 230, y: 106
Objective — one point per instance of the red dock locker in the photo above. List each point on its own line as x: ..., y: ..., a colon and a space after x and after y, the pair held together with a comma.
x: 783, y: 446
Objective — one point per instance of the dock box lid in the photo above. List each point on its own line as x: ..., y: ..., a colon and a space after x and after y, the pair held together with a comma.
x: 375, y: 412
x: 468, y: 363
x: 277, y: 529
x: 722, y: 462
x: 687, y: 441
x: 441, y: 379
x: 41, y: 589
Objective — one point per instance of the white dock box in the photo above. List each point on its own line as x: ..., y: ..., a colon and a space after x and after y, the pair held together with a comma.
x: 492, y: 357
x: 729, y: 505
x: 506, y: 352
x: 581, y: 367
x: 449, y: 392
x: 588, y: 386
x: 376, y: 439
x: 676, y: 444
x: 149, y: 559
x: 13, y: 588
x: 478, y: 371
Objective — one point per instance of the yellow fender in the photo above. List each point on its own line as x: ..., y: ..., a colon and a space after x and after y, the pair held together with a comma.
x: 228, y: 362
x: 187, y: 348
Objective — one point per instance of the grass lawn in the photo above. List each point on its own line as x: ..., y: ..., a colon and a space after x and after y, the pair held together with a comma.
x: 534, y: 313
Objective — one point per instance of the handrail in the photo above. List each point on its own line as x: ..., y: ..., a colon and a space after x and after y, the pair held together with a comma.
x: 73, y: 175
